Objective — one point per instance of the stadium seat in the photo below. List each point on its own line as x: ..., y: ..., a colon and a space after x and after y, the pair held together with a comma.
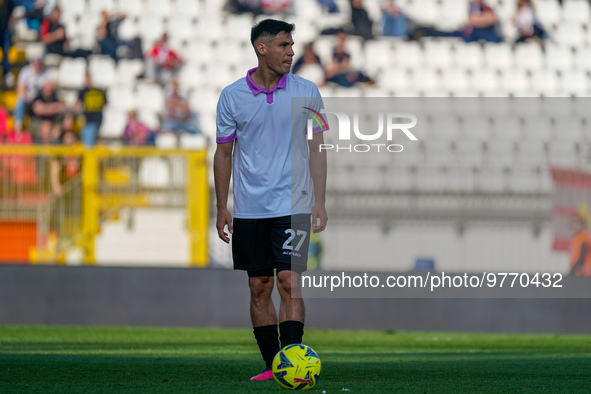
x: 131, y: 8
x: 569, y: 129
x: 395, y: 78
x: 497, y: 107
x: 469, y: 56
x: 102, y: 71
x: 129, y: 29
x: 154, y: 172
x: 203, y: 101
x: 97, y: 6
x: 563, y: 153
x: 114, y: 121
x: 73, y: 7
x: 127, y: 71
x: 491, y: 180
x: 71, y: 73
x: 548, y: 12
x: 151, y: 28
x: 438, y: 53
x: 379, y: 55
x: 166, y: 141
x: 475, y: 126
x: 455, y: 80
x: 507, y: 128
x: 559, y: 58
x: 150, y: 97
x: 558, y: 107
x: 429, y: 179
x: 545, y: 82
x: 453, y: 15
x: 528, y: 56
x: 424, y: 12
x: 121, y: 97
x: 34, y: 50
x: 527, y: 108
x: 570, y: 35
x: 149, y: 117
x: 514, y: 82
x: 485, y: 81
x: 576, y: 11
x: 426, y: 80
x: 239, y: 25
x: 500, y: 153
x: 498, y: 56
x: 469, y: 152
x: 531, y: 153
x: 210, y: 28
x: 409, y: 54
x: 538, y: 128
x: 158, y: 7
x: 190, y: 141
x: 524, y: 180
x: 190, y: 8
x: 180, y: 27
x: 575, y: 83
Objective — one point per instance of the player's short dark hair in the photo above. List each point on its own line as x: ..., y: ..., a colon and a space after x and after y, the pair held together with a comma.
x: 270, y: 28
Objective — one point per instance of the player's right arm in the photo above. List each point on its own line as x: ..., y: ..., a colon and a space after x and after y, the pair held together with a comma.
x: 222, y: 172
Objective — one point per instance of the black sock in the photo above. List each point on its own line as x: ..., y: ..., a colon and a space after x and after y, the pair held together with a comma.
x: 291, y: 332
x: 268, y: 342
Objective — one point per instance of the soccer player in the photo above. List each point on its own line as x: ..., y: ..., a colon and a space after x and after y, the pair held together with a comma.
x: 279, y: 178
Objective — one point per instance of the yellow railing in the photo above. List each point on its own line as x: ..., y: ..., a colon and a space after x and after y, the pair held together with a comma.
x: 109, y: 179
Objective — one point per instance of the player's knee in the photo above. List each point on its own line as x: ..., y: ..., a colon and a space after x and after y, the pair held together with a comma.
x: 285, y: 282
x: 261, y: 287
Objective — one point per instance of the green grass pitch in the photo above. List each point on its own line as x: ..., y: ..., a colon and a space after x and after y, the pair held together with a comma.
x: 52, y: 359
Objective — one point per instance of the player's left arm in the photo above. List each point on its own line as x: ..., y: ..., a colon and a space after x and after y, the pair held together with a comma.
x: 318, y: 173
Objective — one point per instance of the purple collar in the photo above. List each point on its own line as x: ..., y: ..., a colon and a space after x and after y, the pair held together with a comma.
x: 255, y: 89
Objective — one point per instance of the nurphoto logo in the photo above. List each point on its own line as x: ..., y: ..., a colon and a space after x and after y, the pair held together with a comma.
x: 391, y: 122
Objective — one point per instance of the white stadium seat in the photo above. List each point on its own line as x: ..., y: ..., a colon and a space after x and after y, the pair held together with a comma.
x: 575, y: 83
x: 559, y: 58
x: 131, y: 8
x: 121, y: 97
x: 570, y: 35
x: 528, y: 56
x: 151, y: 28
x: 545, y: 82
x: 158, y: 7
x: 98, y: 6
x: 438, y: 53
x: 485, y: 81
x: 72, y: 73
x: 576, y: 11
x: 102, y: 71
x: 190, y: 8
x: 150, y: 97
x: 409, y: 54
x: 498, y: 56
x: 538, y: 129
x: 469, y: 56
x: 181, y: 27
x: 548, y: 12
x: 73, y: 7
x: 114, y: 121
x: 166, y: 141
x: 514, y: 82
x: 128, y: 70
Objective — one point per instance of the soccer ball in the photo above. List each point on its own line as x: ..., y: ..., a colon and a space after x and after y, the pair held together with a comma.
x: 296, y: 367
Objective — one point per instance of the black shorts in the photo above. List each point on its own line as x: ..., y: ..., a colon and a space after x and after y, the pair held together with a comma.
x: 261, y: 245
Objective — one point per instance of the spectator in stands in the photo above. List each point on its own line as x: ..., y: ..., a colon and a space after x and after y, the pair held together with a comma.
x: 107, y: 33
x: 243, y: 6
x: 46, y: 109
x: 34, y: 14
x: 179, y: 117
x: 309, y: 66
x: 362, y: 23
x: 66, y: 167
x: 30, y: 80
x: 53, y: 35
x: 394, y: 22
x: 136, y: 133
x: 580, y: 260
x: 329, y: 6
x: 482, y: 25
x: 528, y: 26
x: 162, y: 63
x: 93, y: 100
x: 277, y: 6
x: 339, y: 70
x: 6, y: 7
